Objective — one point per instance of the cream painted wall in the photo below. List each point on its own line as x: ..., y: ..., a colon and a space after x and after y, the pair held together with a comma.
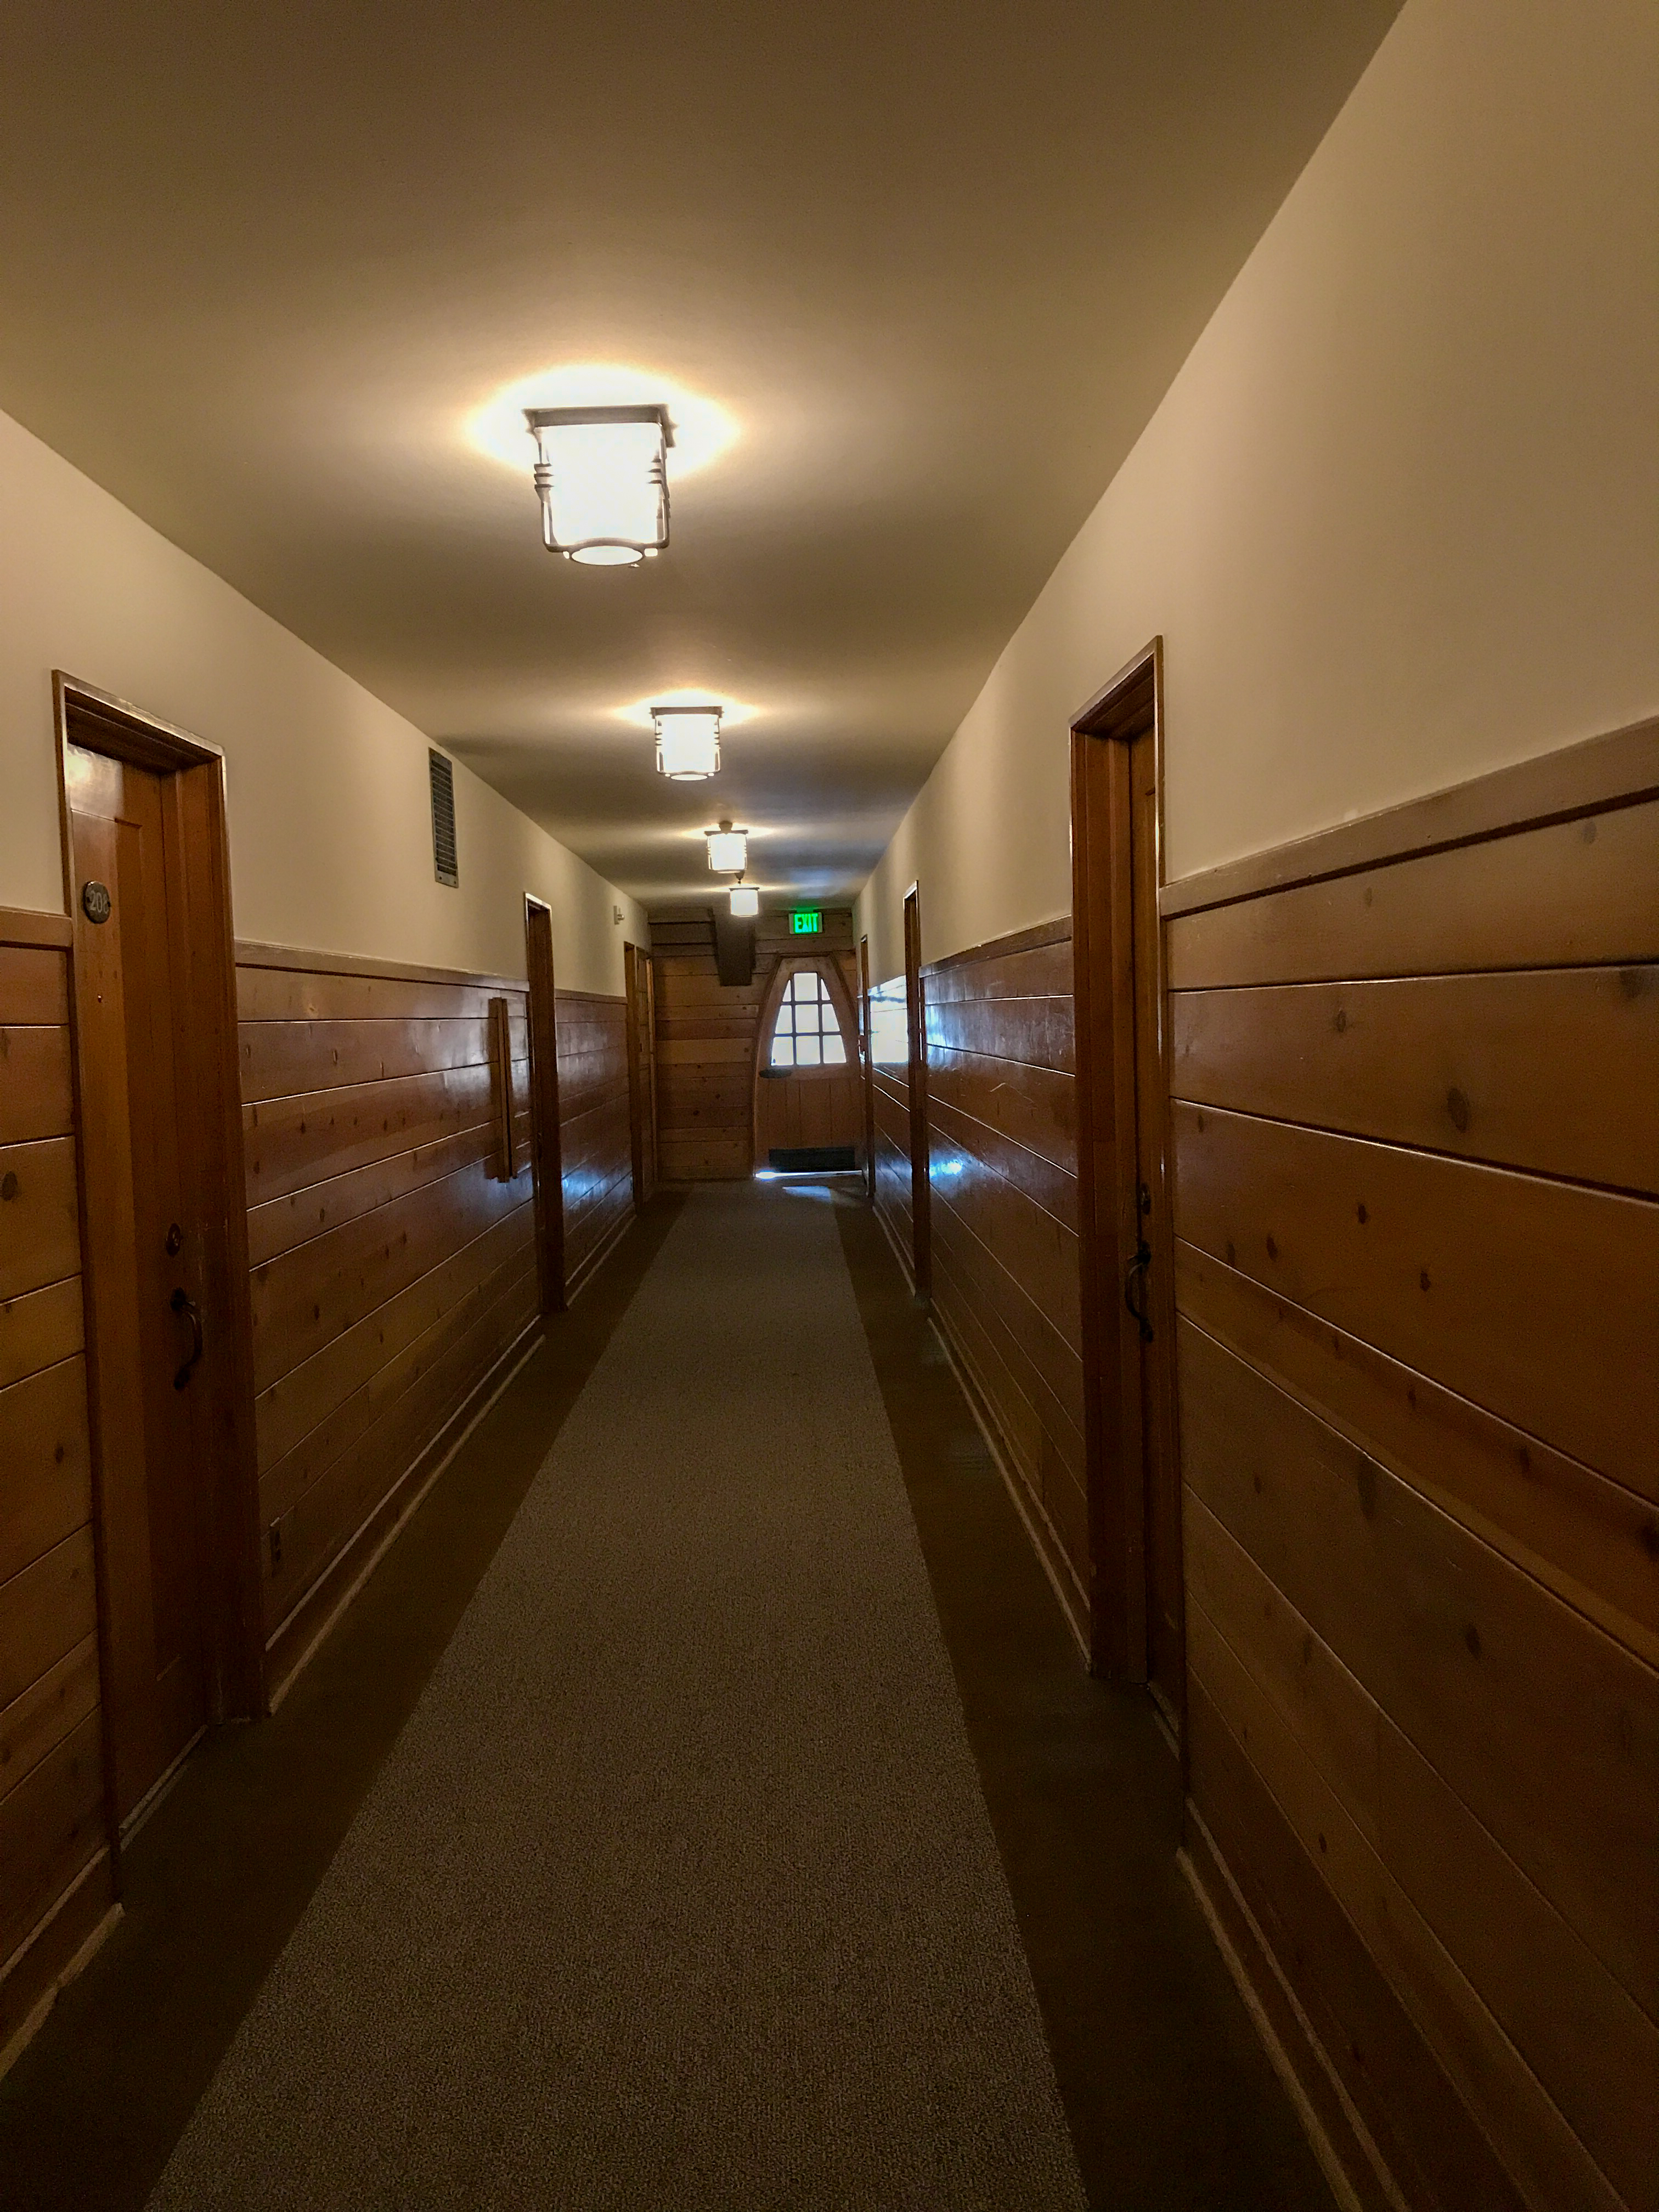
x: 1397, y: 519
x: 330, y: 821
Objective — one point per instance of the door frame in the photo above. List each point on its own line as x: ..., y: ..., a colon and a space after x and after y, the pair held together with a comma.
x: 1103, y: 944
x: 546, y: 1152
x: 789, y: 964
x: 208, y: 1046
x: 868, y: 1056
x: 642, y: 1072
x: 915, y: 1024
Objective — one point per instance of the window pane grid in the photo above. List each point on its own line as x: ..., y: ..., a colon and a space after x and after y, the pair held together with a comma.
x: 807, y: 1033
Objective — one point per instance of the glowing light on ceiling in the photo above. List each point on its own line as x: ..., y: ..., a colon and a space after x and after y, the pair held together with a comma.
x: 745, y: 902
x: 601, y: 476
x: 643, y: 713
x: 702, y: 430
x: 728, y: 849
x: 687, y: 742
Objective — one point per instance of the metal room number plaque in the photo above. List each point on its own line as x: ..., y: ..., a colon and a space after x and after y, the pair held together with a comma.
x: 95, y: 900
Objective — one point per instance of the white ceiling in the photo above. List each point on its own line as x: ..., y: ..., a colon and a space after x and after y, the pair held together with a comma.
x: 260, y: 267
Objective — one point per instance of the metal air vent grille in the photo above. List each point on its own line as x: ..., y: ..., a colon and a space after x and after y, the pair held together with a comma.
x: 443, y: 820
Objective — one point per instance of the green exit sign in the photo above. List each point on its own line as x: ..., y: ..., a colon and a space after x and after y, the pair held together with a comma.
x: 806, y: 921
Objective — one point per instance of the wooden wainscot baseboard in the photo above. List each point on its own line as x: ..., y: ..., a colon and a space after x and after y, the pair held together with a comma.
x: 298, y: 1637
x: 49, y: 1960
x: 1045, y: 1543
x: 1347, y: 2155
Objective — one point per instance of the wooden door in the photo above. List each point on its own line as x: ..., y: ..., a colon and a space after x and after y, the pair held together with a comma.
x: 916, y: 1015
x: 1152, y: 1259
x: 546, y: 1156
x: 145, y: 1251
x: 639, y: 984
x: 1124, y: 1190
x: 868, y: 1051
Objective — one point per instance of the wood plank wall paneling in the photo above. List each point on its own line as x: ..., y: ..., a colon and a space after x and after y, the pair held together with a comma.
x: 818, y: 1107
x: 594, y: 1131
x: 1003, y: 1174
x: 706, y: 1037
x: 55, y: 1868
x: 391, y: 1268
x: 891, y: 1083
x: 1416, y: 1126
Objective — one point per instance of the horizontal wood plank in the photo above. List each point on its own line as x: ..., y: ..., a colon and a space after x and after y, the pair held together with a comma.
x: 1539, y: 1300
x: 40, y: 1327
x: 1614, y: 769
x: 299, y: 994
x: 52, y: 1708
x: 45, y: 1463
x: 1036, y: 1032
x: 1592, y: 1541
x: 281, y: 1058
x: 1567, y: 896
x: 35, y: 1098
x: 40, y: 1215
x: 1537, y: 2146
x: 1428, y: 2139
x: 1554, y: 1070
x: 50, y: 1825
x: 284, y: 1223
x: 316, y: 1135
x: 1474, y: 1663
x: 34, y: 985
x: 293, y: 1406
x: 1570, y: 2033
x: 314, y: 1293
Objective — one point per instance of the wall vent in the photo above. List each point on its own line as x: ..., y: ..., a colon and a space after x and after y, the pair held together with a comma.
x: 443, y: 820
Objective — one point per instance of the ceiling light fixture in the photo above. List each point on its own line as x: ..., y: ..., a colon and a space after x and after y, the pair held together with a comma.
x: 602, y: 477
x: 728, y: 849
x: 745, y: 902
x: 687, y: 742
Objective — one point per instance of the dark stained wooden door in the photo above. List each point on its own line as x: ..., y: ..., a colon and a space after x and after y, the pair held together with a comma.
x: 639, y: 984
x: 916, y: 1023
x: 546, y: 1153
x: 1160, y: 1466
x: 144, y: 1250
x: 1125, y: 1191
x: 868, y: 1063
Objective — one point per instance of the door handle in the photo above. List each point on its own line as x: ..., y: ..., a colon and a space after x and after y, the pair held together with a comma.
x: 182, y: 1303
x: 1138, y: 1270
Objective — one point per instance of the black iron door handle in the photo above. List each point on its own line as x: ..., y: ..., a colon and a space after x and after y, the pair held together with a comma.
x: 1138, y: 1268
x: 182, y: 1303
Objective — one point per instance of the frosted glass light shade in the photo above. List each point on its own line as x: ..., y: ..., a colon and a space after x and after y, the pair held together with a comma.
x: 687, y: 742
x: 745, y: 902
x: 728, y: 849
x: 602, y: 478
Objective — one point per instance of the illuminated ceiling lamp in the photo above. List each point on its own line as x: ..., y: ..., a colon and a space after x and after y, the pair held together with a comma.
x: 602, y: 476
x: 728, y: 849
x: 687, y: 742
x: 745, y: 901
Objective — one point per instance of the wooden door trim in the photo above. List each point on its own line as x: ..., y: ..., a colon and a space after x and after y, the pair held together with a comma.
x: 546, y: 1146
x: 867, y: 1054
x: 635, y: 1071
x: 231, y: 1588
x: 46, y: 932
x: 997, y: 948
x: 789, y: 964
x: 915, y: 1018
x: 1131, y: 706
x: 251, y: 953
x: 1618, y: 769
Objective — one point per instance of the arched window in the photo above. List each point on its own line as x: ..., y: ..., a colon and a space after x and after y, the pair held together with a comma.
x: 807, y: 1033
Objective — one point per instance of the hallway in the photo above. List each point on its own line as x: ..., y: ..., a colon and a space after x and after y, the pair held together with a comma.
x: 756, y: 1839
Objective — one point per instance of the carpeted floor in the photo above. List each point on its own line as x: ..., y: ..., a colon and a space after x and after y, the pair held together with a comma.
x: 679, y: 1888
